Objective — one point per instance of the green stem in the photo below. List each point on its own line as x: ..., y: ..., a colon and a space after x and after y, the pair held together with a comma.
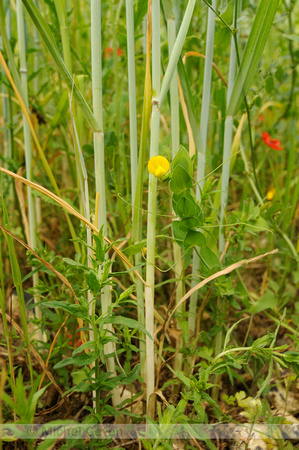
x: 98, y: 139
x: 61, y: 14
x: 151, y: 217
x: 132, y: 95
x: 201, y: 152
x: 175, y: 143
x: 137, y: 210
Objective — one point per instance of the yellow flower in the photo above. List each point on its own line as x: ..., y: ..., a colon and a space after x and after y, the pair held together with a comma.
x: 271, y: 193
x: 158, y: 166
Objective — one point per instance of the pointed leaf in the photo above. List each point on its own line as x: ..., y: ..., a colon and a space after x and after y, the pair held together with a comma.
x: 194, y: 238
x: 252, y: 54
x: 45, y: 32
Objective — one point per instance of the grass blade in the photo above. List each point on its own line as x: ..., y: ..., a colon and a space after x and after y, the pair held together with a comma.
x: 47, y: 37
x: 252, y: 54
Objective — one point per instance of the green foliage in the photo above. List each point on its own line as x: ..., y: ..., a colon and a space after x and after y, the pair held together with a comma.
x: 253, y: 52
x: 24, y: 406
x: 185, y: 204
x: 256, y: 220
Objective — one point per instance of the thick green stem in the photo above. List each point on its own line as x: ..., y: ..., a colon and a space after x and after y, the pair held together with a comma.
x: 28, y: 150
x: 227, y: 146
x: 137, y: 210
x: 98, y: 139
x: 61, y: 14
x: 132, y: 95
x: 201, y: 151
x: 175, y: 144
x: 151, y: 217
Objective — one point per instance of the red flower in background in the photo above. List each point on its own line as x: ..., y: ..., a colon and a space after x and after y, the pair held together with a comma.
x: 273, y: 143
x: 77, y: 342
x: 108, y: 52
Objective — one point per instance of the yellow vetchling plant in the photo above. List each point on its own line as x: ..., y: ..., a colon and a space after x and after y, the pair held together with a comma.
x: 158, y: 166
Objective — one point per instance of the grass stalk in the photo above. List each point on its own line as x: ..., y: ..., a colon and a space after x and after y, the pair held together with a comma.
x: 157, y: 101
x: 227, y: 147
x: 28, y: 151
x: 8, y: 135
x: 206, y: 95
x: 3, y: 309
x: 176, y: 51
x: 17, y: 279
x: 36, y: 57
x: 132, y: 95
x: 137, y: 210
x: 98, y: 139
x: 290, y: 165
x: 151, y: 216
x: 62, y: 18
x: 19, y: 93
x: 60, y: 6
x: 201, y: 151
x: 175, y: 144
x: 45, y: 33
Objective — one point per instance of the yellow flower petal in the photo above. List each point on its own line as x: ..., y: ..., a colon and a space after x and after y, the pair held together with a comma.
x: 271, y: 193
x: 158, y: 166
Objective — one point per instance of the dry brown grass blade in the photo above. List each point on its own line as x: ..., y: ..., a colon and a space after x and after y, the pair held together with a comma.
x: 50, y: 267
x: 51, y: 350
x: 187, y: 121
x: 192, y: 53
x: 225, y: 271
x: 67, y: 207
x: 20, y: 194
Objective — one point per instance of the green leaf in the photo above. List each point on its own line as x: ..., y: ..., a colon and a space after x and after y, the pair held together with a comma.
x: 183, y: 378
x: 230, y: 330
x: 189, y: 223
x: 94, y: 281
x: 183, y: 160
x: 74, y: 310
x: 134, y: 249
x: 71, y: 262
x: 189, y: 103
x: 78, y: 376
x: 291, y: 37
x: 258, y: 225
x: 252, y: 54
x: 124, y: 295
x: 267, y: 301
x: 131, y: 323
x: 194, y: 238
x: 180, y: 180
x: 178, y: 234
x: 209, y: 258
x: 61, y: 110
x: 140, y: 13
x: 185, y: 205
x: 100, y: 247
x: 184, y: 325
x: 132, y: 376
x: 80, y: 360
